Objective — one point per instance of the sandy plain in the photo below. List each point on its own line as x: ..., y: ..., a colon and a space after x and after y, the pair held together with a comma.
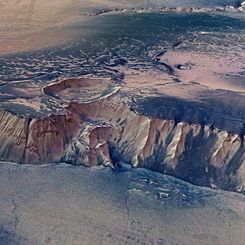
x: 27, y: 25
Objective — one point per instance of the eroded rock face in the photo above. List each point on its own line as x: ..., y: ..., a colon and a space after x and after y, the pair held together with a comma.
x: 201, y: 154
x: 35, y: 141
x: 106, y: 130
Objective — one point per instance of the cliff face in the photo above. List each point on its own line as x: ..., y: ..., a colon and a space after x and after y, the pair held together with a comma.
x: 108, y: 131
x: 13, y: 131
x: 198, y: 153
x: 35, y: 141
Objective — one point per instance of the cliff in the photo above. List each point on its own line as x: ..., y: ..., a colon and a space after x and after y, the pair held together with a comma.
x: 35, y: 141
x: 108, y: 131
x: 201, y: 154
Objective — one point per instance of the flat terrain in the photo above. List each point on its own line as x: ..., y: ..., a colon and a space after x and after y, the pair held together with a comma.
x: 27, y: 25
x: 75, y: 205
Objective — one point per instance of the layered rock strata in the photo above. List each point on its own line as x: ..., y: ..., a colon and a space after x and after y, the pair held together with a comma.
x: 108, y: 131
x: 35, y: 141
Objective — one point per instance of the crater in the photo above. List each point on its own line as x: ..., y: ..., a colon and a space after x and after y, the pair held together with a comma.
x: 81, y: 90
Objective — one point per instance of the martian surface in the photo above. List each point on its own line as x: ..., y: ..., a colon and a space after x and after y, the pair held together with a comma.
x: 122, y: 122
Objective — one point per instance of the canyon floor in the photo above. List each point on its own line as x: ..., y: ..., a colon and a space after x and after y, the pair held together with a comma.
x: 149, y: 95
x: 61, y: 204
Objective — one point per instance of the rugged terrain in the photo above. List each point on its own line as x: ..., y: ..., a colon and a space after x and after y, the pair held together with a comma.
x: 109, y: 130
x: 173, y: 103
x: 137, y: 86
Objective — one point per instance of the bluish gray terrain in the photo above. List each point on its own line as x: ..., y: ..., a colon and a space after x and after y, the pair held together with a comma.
x: 76, y: 205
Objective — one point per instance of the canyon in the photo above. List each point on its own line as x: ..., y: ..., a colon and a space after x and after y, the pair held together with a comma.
x: 109, y: 130
x: 122, y: 122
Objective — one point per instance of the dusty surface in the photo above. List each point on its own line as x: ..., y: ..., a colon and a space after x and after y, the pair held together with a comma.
x: 27, y: 25
x: 212, y: 72
x: 75, y: 205
x: 129, y: 84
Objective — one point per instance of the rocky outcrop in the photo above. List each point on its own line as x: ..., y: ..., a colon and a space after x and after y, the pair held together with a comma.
x: 109, y: 131
x: 236, y: 8
x: 13, y: 131
x: 35, y: 141
x: 198, y: 153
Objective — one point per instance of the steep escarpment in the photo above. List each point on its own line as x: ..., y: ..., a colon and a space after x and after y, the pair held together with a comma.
x: 109, y: 129
x: 222, y: 111
x: 202, y: 154
x: 35, y: 141
x: 14, y: 131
